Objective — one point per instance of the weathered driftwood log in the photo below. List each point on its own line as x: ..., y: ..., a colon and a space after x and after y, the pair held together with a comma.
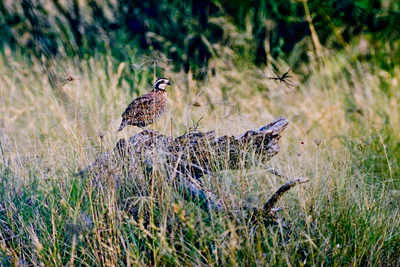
x: 191, y: 156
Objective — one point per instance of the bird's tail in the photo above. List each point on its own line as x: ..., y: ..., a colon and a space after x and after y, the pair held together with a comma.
x: 123, y: 124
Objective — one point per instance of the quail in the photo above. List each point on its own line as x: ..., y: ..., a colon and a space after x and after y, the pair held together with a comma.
x: 148, y: 108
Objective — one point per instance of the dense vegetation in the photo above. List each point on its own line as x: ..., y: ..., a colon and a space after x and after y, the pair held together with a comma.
x: 344, y: 132
x: 193, y: 32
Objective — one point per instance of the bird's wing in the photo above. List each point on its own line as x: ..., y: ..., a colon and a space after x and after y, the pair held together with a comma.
x: 140, y: 108
x: 137, y: 106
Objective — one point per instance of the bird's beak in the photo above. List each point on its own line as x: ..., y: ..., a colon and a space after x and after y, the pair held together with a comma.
x: 169, y: 83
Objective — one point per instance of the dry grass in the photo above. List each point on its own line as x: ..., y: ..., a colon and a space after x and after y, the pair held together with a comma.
x: 347, y: 215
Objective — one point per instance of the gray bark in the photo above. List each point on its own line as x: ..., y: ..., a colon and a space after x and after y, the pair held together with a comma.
x: 191, y: 156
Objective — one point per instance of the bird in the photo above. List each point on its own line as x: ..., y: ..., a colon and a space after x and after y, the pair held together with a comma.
x: 283, y: 79
x: 148, y: 108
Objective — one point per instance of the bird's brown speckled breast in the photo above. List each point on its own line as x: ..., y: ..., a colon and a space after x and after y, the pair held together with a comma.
x: 161, y: 104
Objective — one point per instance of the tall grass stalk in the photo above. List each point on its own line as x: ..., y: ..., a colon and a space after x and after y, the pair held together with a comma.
x: 344, y: 216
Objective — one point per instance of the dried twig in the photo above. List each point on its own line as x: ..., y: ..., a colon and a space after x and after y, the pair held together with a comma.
x: 278, y: 194
x: 267, y: 213
x: 283, y: 79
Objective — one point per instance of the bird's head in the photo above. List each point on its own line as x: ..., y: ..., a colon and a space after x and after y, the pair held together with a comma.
x: 161, y: 84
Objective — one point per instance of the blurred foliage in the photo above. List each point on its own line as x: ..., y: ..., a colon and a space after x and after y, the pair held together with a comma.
x: 192, y: 32
x: 344, y: 131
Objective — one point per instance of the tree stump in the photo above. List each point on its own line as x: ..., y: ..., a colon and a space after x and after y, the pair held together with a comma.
x: 191, y: 156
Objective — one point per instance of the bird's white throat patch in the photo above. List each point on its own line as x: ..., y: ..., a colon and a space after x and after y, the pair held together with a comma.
x: 162, y: 86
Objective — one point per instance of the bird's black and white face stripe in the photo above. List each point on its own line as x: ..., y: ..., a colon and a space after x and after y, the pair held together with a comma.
x: 161, y: 84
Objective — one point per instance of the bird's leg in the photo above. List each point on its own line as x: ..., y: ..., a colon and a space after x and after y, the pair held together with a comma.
x: 144, y: 128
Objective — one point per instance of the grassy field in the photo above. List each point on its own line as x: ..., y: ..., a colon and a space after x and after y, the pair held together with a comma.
x: 347, y: 215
